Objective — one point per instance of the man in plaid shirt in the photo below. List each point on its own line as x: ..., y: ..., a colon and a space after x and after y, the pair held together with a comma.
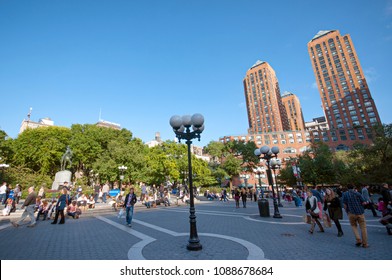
x: 353, y: 202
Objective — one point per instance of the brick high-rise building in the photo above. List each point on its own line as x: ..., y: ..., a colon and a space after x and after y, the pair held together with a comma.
x: 266, y: 112
x: 294, y: 111
x: 346, y: 99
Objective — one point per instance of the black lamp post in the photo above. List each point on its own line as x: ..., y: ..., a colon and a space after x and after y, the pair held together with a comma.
x: 182, y: 129
x: 266, y: 153
x: 122, y: 168
x: 259, y: 171
x: 275, y: 164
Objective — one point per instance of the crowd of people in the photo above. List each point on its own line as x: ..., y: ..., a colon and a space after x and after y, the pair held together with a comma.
x: 321, y: 204
x: 329, y: 204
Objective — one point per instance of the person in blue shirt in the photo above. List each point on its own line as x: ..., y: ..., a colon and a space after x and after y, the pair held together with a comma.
x: 62, y: 202
x: 129, y: 203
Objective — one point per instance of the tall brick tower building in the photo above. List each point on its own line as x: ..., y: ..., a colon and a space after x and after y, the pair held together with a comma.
x: 266, y: 112
x: 294, y: 111
x: 348, y: 104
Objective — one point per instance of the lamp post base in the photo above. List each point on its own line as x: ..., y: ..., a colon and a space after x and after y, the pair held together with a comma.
x: 276, y: 210
x: 194, y: 245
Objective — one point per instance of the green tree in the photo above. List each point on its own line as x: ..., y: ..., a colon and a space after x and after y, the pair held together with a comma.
x: 216, y: 150
x: 316, y: 165
x: 232, y: 166
x: 375, y: 161
x: 41, y: 149
x: 286, y: 176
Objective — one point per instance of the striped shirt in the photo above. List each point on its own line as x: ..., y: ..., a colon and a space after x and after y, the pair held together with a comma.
x: 353, y: 202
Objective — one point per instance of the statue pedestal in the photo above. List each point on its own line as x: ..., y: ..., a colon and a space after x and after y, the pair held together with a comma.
x: 60, y: 178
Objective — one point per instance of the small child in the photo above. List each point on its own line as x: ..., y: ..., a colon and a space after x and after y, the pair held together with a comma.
x: 8, y: 206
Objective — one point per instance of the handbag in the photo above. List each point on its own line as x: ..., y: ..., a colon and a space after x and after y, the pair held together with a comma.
x: 307, y: 219
x: 121, y: 213
x: 326, y: 221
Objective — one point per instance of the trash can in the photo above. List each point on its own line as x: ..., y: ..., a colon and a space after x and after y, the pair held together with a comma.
x: 263, y: 207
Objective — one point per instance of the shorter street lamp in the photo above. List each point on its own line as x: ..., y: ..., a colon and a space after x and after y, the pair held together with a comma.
x: 122, y: 168
x: 259, y: 171
x: 276, y: 164
x: 267, y: 154
x: 245, y: 177
x: 182, y: 128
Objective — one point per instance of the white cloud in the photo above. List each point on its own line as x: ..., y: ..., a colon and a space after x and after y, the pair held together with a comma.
x: 314, y: 86
x: 371, y: 74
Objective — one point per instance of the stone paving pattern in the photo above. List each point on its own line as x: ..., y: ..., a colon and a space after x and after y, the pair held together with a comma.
x: 92, y: 239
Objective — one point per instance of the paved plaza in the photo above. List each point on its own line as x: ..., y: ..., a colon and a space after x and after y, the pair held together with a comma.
x: 161, y: 233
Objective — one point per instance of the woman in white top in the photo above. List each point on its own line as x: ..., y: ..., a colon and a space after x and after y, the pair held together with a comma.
x: 313, y: 210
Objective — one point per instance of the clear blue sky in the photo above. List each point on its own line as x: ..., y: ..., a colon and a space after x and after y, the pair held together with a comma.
x: 143, y: 61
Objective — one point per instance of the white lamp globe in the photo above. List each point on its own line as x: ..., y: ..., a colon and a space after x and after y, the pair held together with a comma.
x: 175, y: 122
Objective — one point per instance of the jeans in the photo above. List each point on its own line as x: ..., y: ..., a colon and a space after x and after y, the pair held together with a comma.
x: 129, y: 211
x: 356, y: 220
x: 104, y: 197
x: 44, y: 213
x: 56, y: 217
x: 29, y: 211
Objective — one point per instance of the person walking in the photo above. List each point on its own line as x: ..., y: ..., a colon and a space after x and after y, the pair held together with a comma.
x: 316, y: 193
x: 105, y: 191
x: 313, y: 210
x: 353, y: 203
x: 237, y: 199
x: 130, y: 201
x: 60, y: 206
x: 332, y: 204
x: 29, y: 206
x: 17, y: 193
x: 244, y: 195
x: 369, y: 202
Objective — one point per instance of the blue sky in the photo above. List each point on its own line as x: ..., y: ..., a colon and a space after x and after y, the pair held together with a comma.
x: 141, y: 62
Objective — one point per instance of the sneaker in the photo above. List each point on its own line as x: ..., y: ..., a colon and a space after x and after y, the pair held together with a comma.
x: 31, y: 225
x: 129, y: 225
x: 14, y: 224
x: 365, y: 246
x: 340, y: 234
x: 358, y: 244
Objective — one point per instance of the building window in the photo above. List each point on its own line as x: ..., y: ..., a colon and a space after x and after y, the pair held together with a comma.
x: 289, y: 150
